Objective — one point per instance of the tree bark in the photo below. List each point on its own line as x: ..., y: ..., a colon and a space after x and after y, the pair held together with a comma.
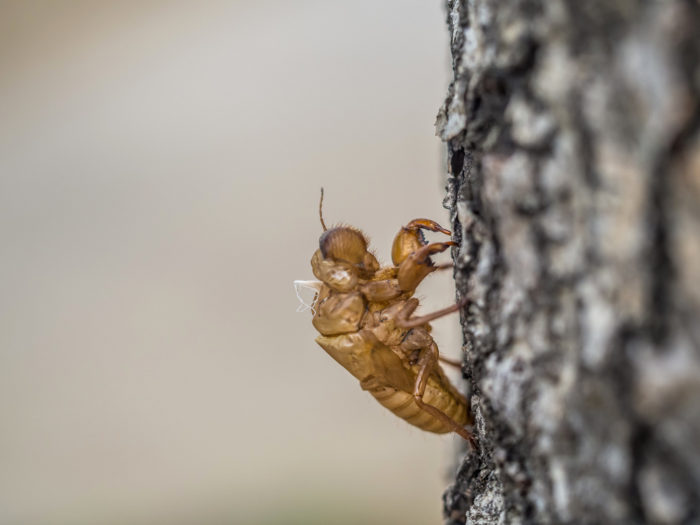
x: 573, y: 138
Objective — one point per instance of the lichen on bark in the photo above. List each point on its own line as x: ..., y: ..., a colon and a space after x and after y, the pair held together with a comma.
x: 573, y: 139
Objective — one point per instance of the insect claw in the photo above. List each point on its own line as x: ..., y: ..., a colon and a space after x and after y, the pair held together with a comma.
x: 426, y: 224
x: 430, y: 249
x: 410, y: 238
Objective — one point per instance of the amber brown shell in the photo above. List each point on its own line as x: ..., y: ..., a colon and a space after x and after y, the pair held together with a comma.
x: 343, y: 244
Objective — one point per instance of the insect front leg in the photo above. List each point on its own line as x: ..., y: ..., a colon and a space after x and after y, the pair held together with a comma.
x: 410, y: 238
x: 427, y: 363
x: 411, y: 253
x: 417, y: 266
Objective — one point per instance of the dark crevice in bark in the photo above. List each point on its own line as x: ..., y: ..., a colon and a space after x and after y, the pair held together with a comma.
x: 660, y: 260
x: 457, y: 161
x: 585, y: 143
x: 640, y: 433
x: 638, y: 444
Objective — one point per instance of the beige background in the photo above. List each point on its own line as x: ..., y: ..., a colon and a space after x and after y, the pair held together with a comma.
x: 159, y: 174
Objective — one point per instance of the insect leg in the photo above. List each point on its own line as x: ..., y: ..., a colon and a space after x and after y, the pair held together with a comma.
x: 427, y: 224
x: 444, y: 266
x: 427, y: 362
x: 417, y: 265
x: 410, y: 238
x: 404, y: 319
x: 451, y: 362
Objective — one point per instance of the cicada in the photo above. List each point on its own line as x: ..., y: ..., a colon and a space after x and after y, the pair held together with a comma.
x: 364, y: 314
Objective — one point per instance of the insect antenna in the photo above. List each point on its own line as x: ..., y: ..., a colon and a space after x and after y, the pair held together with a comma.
x: 320, y: 211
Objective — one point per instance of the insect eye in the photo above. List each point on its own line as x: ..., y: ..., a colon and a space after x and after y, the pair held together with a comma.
x: 343, y: 244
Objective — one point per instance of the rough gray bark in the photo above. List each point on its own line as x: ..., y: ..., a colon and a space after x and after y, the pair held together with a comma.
x: 573, y: 135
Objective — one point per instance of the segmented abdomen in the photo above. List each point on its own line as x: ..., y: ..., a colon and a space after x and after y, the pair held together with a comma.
x: 391, y: 381
x: 404, y: 406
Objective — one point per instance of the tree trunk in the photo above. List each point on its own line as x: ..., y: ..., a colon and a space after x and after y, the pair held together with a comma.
x: 573, y: 137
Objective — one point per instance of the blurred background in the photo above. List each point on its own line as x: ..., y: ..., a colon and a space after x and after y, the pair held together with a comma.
x: 160, y: 166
